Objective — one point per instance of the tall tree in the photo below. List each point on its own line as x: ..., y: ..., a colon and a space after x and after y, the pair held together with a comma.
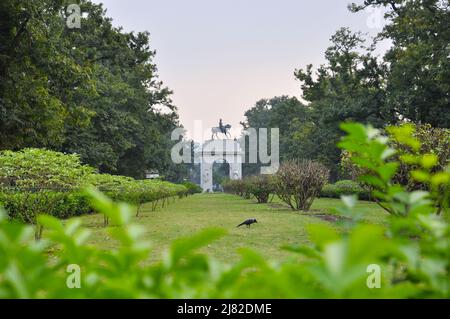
x: 287, y: 114
x: 418, y: 78
x: 92, y: 90
x: 37, y: 76
x: 350, y: 86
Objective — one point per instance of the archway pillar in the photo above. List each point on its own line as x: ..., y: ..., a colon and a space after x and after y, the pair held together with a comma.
x: 206, y: 176
x: 215, y: 150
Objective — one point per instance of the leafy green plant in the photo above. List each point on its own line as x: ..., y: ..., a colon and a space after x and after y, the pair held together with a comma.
x: 378, y: 168
x: 42, y: 169
x: 261, y: 187
x: 299, y: 183
x: 344, y: 187
x: 36, y: 181
x: 137, y: 192
x: 409, y: 254
x: 192, y: 188
x: 238, y: 187
x: 413, y: 144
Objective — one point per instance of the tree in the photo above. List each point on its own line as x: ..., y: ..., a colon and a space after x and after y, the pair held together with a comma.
x: 350, y: 86
x: 273, y: 113
x: 418, y: 77
x: 91, y: 91
x: 36, y: 75
x: 127, y: 135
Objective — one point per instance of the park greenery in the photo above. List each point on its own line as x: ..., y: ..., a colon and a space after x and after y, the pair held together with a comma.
x: 38, y: 181
x: 261, y: 187
x: 345, y: 187
x: 84, y: 116
x: 410, y: 82
x: 410, y: 249
x: 93, y: 91
x: 296, y: 183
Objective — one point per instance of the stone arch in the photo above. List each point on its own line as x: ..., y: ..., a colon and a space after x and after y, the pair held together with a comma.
x: 214, y: 150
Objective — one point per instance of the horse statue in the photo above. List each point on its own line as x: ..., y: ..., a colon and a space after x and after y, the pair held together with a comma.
x: 217, y: 130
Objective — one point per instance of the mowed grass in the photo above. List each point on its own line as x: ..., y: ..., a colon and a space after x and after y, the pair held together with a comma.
x: 277, y: 224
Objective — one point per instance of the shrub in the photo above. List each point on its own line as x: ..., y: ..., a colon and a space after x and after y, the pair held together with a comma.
x: 238, y: 187
x: 42, y: 169
x: 229, y: 186
x: 412, y: 146
x: 38, y: 181
x: 24, y: 205
x: 429, y: 141
x: 192, y: 188
x: 344, y: 187
x: 137, y: 192
x: 299, y: 183
x: 261, y: 187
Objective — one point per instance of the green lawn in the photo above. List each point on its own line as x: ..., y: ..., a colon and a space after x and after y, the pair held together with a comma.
x: 277, y: 224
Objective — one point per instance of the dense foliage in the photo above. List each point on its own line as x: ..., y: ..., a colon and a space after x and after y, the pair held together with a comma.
x: 417, y: 76
x: 192, y: 188
x: 272, y: 113
x: 39, y: 169
x: 93, y: 91
x: 261, y: 187
x: 432, y: 145
x: 38, y: 181
x: 345, y: 187
x: 238, y: 187
x: 299, y: 183
x: 409, y: 254
x: 411, y: 82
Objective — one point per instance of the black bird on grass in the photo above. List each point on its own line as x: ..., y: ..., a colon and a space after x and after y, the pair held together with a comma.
x: 248, y: 222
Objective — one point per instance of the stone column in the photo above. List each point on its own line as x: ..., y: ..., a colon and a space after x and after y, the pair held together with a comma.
x: 236, y: 168
x: 206, y: 176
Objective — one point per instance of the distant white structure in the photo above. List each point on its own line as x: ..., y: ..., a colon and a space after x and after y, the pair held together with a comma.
x: 218, y: 150
x: 151, y: 174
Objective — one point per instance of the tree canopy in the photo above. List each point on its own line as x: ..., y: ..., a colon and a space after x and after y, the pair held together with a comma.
x: 92, y: 90
x: 409, y: 83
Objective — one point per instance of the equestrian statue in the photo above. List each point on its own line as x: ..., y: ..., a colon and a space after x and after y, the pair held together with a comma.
x: 224, y: 129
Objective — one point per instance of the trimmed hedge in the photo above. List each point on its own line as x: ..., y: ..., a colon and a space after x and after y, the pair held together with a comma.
x: 240, y: 187
x: 260, y: 187
x: 23, y: 206
x: 344, y: 187
x: 37, y: 181
x: 192, y: 188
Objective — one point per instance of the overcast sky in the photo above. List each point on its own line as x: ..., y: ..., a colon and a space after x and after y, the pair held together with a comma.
x: 221, y: 56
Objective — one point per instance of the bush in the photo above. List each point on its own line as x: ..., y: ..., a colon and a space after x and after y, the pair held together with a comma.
x: 36, y: 169
x: 344, y: 187
x: 238, y: 187
x: 299, y: 183
x: 413, y: 145
x: 261, y: 187
x: 192, y: 188
x: 230, y: 187
x: 24, y: 206
x: 37, y: 181
x: 429, y: 140
x: 137, y: 192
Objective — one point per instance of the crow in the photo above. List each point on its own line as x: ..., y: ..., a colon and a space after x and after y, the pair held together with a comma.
x: 248, y: 222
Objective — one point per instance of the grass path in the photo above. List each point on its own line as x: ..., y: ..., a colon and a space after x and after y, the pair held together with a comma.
x: 277, y: 225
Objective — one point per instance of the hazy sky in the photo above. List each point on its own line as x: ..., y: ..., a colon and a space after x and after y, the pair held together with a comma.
x: 221, y: 56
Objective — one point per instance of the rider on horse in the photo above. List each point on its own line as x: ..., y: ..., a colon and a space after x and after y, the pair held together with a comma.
x: 224, y: 129
x: 221, y: 126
